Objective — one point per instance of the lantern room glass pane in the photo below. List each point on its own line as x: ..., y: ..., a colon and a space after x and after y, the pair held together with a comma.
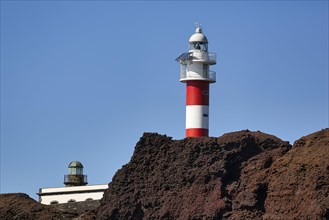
x: 75, y: 170
x: 71, y: 170
x: 199, y: 46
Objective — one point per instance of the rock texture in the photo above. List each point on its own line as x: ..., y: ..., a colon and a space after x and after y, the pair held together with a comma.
x: 298, y: 183
x: 19, y: 206
x: 240, y: 175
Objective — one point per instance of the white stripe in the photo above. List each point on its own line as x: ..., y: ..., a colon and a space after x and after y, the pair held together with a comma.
x: 197, y: 116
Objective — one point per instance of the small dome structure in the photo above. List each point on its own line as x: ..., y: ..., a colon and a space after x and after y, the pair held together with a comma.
x: 75, y: 167
x: 198, y: 36
x: 75, y: 164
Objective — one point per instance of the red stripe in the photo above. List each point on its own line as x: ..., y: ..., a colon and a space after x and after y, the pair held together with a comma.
x: 196, y: 132
x: 197, y: 92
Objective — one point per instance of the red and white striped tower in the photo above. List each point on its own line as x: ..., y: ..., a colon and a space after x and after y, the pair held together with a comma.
x: 197, y: 76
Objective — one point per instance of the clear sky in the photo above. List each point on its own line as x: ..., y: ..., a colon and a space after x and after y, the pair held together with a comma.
x: 82, y: 80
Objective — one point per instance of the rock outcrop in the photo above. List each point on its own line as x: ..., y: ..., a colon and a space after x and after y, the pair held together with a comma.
x: 240, y: 175
x: 298, y: 182
x: 19, y: 206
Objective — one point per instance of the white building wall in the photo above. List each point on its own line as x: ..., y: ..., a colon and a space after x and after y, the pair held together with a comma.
x: 65, y: 198
x: 76, y: 193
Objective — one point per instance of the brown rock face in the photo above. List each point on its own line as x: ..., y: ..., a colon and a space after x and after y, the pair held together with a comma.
x: 19, y: 206
x: 240, y: 175
x: 298, y: 183
x: 194, y: 178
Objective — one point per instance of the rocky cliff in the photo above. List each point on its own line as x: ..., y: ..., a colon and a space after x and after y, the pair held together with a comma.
x: 240, y: 175
x: 18, y: 206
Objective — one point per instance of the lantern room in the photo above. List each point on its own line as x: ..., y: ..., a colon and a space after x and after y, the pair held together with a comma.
x: 75, y: 176
x: 75, y: 167
x: 198, y: 41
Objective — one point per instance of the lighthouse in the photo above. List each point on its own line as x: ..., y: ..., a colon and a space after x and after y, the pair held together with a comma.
x: 75, y: 190
x: 75, y: 176
x: 196, y: 74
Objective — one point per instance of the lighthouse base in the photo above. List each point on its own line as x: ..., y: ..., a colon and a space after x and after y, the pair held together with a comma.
x: 196, y: 132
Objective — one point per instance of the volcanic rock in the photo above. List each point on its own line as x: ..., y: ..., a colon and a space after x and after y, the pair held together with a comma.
x: 194, y: 178
x: 240, y: 175
x: 20, y: 206
x: 298, y: 183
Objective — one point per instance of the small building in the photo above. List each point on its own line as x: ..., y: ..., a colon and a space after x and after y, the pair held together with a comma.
x: 75, y: 189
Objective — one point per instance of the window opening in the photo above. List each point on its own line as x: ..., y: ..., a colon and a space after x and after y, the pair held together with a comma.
x: 54, y: 202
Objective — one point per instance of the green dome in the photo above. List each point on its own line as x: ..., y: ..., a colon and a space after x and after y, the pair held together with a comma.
x: 75, y: 164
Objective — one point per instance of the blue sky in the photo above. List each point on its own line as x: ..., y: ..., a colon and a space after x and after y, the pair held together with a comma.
x: 82, y: 80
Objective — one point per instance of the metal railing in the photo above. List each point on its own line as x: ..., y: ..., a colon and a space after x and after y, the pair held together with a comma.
x: 209, y: 57
x: 197, y: 56
x: 207, y: 75
x: 75, y: 180
x: 212, y: 57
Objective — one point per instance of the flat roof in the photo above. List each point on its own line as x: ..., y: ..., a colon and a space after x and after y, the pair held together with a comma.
x: 72, y: 189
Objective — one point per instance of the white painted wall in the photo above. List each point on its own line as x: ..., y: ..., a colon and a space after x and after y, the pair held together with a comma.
x: 78, y: 197
x: 77, y: 193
